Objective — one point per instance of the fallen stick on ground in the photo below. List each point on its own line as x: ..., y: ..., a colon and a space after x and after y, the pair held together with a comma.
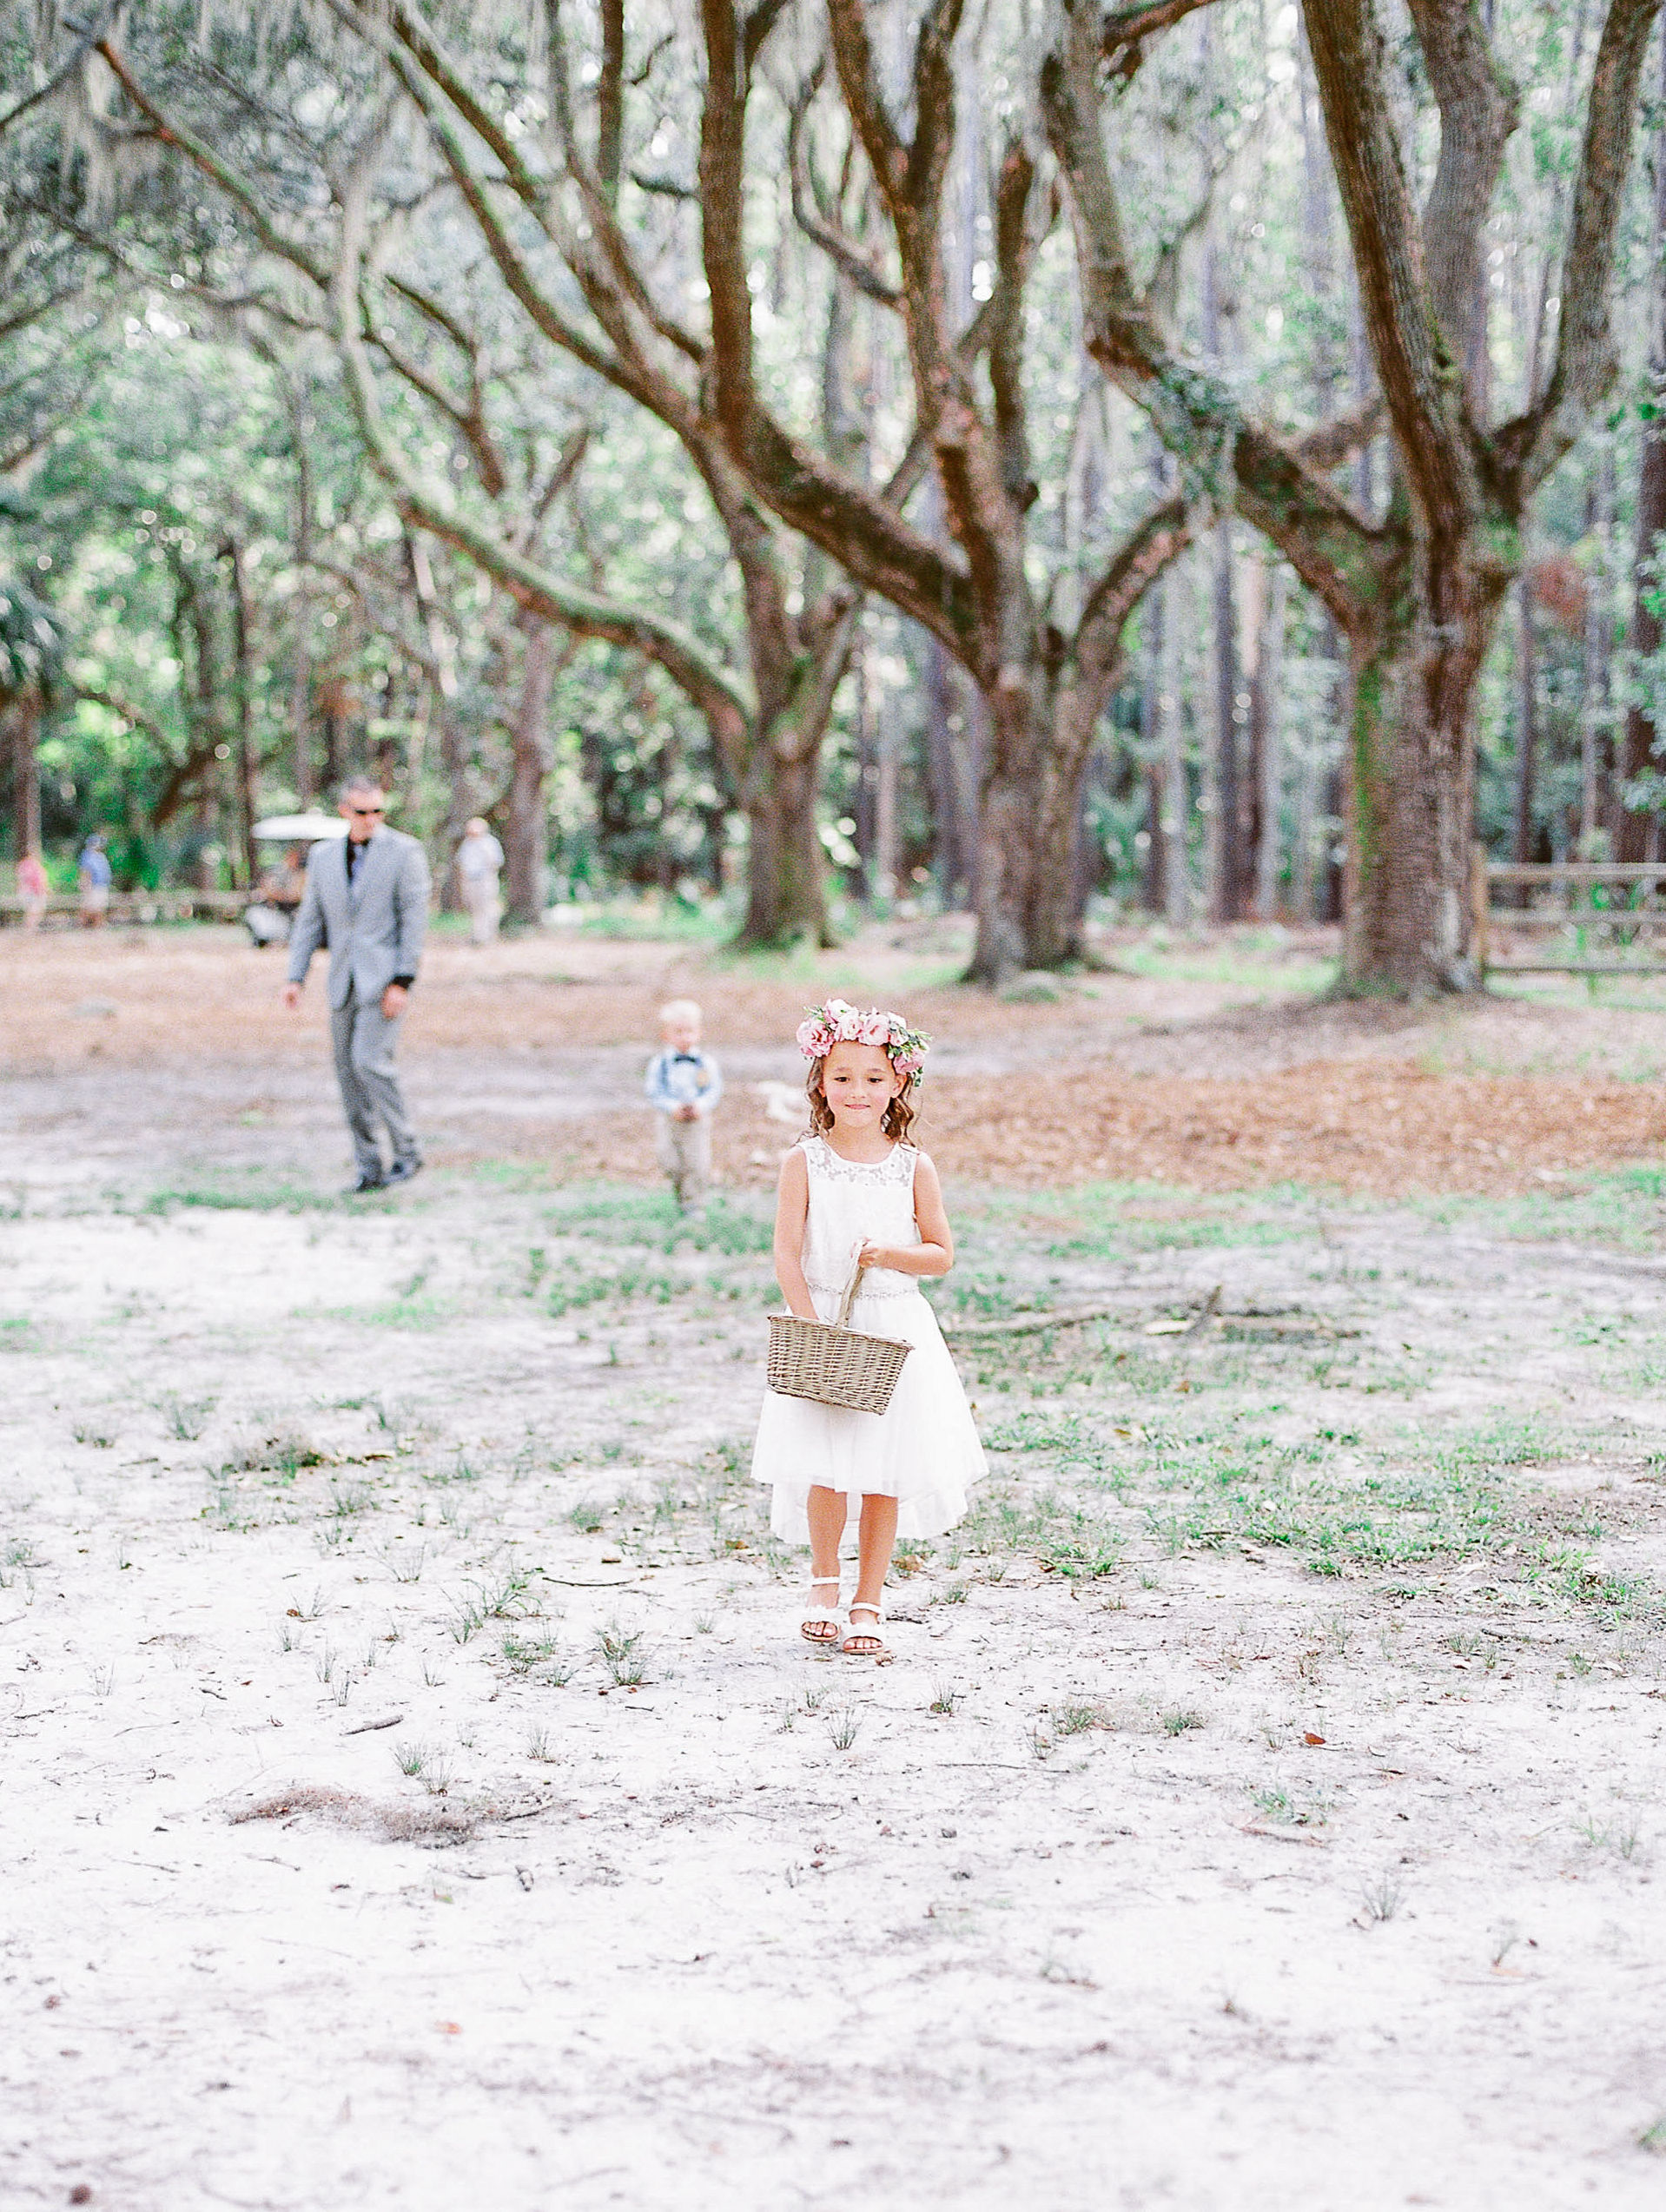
x: 1030, y: 1324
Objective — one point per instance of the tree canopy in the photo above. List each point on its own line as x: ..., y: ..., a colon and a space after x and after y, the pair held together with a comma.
x: 1198, y: 455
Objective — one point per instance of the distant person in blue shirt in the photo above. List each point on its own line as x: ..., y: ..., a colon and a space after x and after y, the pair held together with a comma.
x: 95, y: 869
x: 684, y: 1085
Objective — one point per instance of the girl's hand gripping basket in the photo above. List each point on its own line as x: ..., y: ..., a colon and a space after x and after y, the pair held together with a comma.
x: 832, y: 1362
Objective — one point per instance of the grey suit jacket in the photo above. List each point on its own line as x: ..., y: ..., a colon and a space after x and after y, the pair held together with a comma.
x: 374, y: 930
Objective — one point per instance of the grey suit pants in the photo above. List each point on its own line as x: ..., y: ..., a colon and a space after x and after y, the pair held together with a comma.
x: 364, y: 1040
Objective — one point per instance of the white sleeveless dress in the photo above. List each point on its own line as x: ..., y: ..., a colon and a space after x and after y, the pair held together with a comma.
x: 923, y: 1449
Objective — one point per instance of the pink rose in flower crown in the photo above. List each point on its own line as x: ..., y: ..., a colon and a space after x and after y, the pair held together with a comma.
x: 839, y: 1023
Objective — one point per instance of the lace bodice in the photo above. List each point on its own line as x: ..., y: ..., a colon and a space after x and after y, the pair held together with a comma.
x: 852, y: 1202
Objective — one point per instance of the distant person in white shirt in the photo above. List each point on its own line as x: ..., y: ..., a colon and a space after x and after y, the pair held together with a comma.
x: 684, y: 1085
x: 479, y: 857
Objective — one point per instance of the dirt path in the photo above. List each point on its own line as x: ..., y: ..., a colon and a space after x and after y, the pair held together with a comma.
x: 1263, y: 1808
x: 166, y: 1053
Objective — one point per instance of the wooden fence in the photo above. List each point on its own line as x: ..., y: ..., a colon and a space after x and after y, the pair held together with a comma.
x: 141, y: 906
x: 1578, y: 917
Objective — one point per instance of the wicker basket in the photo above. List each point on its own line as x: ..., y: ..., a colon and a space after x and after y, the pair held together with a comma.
x: 833, y: 1364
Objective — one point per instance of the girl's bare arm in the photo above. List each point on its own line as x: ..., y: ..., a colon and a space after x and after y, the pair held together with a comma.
x: 934, y: 1253
x: 791, y: 1210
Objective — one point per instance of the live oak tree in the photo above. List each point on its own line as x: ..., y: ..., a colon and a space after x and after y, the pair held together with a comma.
x: 1044, y: 683
x: 1046, y: 672
x: 1416, y: 593
x: 770, y: 716
x: 768, y: 705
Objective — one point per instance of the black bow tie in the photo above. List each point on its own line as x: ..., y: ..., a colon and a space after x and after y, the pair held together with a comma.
x: 693, y: 1058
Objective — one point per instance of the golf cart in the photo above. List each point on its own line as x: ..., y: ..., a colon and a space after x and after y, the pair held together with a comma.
x: 270, y: 915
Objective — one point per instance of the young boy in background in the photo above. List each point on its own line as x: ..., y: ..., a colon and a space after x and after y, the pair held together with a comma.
x: 684, y: 1085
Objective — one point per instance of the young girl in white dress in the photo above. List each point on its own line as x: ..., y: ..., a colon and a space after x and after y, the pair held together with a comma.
x: 856, y: 1194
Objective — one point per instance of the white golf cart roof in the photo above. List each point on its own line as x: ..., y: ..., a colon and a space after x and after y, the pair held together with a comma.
x: 301, y: 828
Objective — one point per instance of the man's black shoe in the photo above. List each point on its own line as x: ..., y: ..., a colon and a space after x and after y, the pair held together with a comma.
x: 366, y: 1183
x: 403, y: 1170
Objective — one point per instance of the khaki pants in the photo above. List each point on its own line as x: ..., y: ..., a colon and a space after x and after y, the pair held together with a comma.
x: 684, y: 1152
x: 480, y: 897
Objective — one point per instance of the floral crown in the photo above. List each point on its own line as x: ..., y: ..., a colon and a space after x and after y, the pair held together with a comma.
x: 838, y: 1023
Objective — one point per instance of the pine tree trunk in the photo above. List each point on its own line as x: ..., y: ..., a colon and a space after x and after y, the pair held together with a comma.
x: 1225, y: 900
x: 1596, y: 717
x: 243, y: 677
x: 1526, y: 722
x: 945, y: 728
x: 525, y: 837
x: 1177, y: 884
x: 1638, y: 830
x: 1151, y: 747
x: 1267, y: 744
x: 25, y: 776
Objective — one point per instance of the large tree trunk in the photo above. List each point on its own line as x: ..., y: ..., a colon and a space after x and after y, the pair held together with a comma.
x: 786, y: 867
x: 1407, y: 930
x: 1014, y: 848
x: 525, y: 837
x: 1029, y: 911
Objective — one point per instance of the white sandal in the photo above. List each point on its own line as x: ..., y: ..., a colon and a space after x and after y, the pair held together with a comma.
x: 879, y: 1653
x: 817, y: 1618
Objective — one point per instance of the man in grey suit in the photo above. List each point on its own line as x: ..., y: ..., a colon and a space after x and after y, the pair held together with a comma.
x: 366, y: 898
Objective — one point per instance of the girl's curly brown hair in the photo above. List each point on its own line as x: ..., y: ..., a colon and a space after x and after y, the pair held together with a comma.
x: 895, y: 1122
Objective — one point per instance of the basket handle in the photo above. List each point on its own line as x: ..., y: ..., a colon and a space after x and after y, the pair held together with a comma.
x: 843, y: 1318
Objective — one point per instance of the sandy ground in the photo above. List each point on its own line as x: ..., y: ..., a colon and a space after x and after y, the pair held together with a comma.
x: 347, y: 1864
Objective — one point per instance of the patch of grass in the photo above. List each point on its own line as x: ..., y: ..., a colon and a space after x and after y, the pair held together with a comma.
x: 499, y: 1600
x: 1382, y: 1897
x: 283, y: 1454
x: 545, y: 1654
x: 185, y: 1418
x: 1072, y: 1719
x: 944, y: 1698
x: 1181, y: 1720
x: 1064, y: 1539
x: 843, y: 1726
x: 1291, y: 1809
x: 622, y: 1654
x: 1622, y: 1837
x: 627, y: 1286
x: 1616, y: 1209
x: 413, y: 1313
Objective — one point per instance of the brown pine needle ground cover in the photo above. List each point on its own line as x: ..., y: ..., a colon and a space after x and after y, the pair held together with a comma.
x: 416, y: 1790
